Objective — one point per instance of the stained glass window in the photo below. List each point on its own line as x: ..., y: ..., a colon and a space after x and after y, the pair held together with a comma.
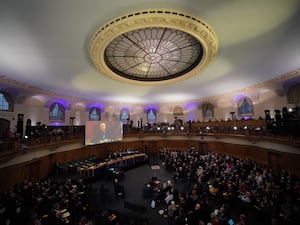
x: 4, y: 105
x: 95, y: 114
x: 57, y: 112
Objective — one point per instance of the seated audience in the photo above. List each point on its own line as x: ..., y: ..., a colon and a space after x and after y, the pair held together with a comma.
x: 239, y: 180
x: 273, y: 195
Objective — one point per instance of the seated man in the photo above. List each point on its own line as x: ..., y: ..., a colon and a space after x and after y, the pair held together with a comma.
x: 119, y: 189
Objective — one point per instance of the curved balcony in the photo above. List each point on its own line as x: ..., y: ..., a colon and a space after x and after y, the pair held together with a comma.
x: 249, y: 130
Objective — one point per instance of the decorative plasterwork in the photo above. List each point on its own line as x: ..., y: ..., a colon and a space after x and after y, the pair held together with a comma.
x: 110, y: 36
x: 252, y: 90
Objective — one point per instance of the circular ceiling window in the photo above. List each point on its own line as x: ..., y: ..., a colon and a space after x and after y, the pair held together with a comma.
x: 153, y: 54
x: 153, y: 47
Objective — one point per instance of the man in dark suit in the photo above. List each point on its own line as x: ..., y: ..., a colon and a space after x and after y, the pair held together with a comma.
x: 101, y: 134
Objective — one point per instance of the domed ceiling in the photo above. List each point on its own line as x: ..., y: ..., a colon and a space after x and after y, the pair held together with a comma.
x: 146, y: 51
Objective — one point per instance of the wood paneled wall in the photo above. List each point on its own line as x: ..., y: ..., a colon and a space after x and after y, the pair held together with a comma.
x: 42, y: 167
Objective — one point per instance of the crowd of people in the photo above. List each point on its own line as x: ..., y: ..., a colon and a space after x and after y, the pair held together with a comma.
x: 52, y: 202
x: 44, y: 202
x: 274, y: 197
x: 57, y: 201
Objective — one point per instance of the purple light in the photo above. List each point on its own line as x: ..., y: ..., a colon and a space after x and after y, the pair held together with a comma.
x: 56, y: 124
x: 237, y: 98
x: 147, y: 108
x: 125, y: 108
x: 192, y: 116
x: 191, y: 105
x: 98, y: 106
x: 246, y: 117
x: 63, y: 102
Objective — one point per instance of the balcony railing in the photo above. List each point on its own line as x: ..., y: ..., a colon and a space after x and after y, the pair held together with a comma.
x: 250, y: 129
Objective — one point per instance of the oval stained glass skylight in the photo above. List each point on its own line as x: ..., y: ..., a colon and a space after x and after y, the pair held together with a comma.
x: 153, y: 54
x: 153, y: 47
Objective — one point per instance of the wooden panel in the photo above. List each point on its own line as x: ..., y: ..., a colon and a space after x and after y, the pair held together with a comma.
x: 152, y: 147
x: 10, y: 176
x: 291, y: 162
x: 274, y: 160
x: 32, y: 171
x: 203, y: 147
x: 43, y: 166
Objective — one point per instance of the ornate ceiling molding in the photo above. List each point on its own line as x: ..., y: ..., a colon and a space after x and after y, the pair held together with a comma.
x: 252, y: 90
x: 149, y: 53
x: 36, y: 90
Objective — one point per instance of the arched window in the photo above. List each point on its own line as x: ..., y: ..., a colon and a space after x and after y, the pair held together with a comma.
x: 94, y: 114
x: 151, y: 115
x: 124, y: 115
x: 57, y: 112
x: 5, y: 102
x: 207, y: 111
x: 245, y: 107
x: 178, y: 111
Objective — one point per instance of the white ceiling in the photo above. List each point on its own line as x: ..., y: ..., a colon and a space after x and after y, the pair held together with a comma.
x: 45, y: 44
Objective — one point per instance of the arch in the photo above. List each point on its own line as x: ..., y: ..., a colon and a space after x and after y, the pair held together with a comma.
x: 293, y: 95
x: 208, y: 111
x: 245, y: 107
x: 57, y: 112
x: 178, y: 111
x: 94, y: 113
x: 6, y: 102
x: 124, y: 115
x: 151, y: 115
x: 32, y: 101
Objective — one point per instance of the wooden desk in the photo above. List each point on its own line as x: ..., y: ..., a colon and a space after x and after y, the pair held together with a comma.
x: 120, y: 163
